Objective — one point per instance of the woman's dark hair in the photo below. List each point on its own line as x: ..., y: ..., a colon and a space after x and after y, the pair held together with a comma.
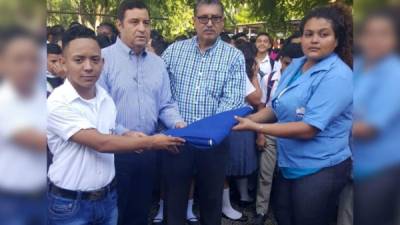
x: 390, y: 14
x: 271, y: 41
x: 340, y: 17
x: 249, y: 51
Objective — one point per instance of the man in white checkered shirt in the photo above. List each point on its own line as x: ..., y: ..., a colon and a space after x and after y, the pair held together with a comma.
x: 207, y: 77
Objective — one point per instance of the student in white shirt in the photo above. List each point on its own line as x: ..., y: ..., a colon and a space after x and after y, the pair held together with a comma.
x: 81, y: 136
x: 264, y: 46
x: 22, y: 130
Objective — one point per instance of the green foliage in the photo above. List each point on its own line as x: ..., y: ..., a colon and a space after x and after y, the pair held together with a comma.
x: 174, y: 17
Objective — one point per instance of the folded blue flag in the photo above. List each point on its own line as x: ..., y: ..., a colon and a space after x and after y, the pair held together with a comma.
x: 210, y: 131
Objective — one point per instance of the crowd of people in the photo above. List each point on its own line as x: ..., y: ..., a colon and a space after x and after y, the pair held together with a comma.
x: 320, y: 147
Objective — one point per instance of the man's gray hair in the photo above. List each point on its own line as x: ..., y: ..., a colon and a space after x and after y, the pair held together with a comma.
x: 208, y: 2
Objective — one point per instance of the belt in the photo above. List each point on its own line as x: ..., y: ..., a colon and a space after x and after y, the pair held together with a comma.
x: 84, y: 195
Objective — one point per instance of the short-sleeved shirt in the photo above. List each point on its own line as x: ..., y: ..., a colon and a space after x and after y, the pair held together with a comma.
x: 75, y: 166
x: 323, y: 98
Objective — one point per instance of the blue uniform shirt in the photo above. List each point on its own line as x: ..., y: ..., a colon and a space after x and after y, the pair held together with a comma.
x: 377, y: 103
x: 321, y: 97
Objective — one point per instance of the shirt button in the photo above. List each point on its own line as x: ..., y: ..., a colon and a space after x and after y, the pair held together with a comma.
x: 201, y: 73
x: 197, y: 87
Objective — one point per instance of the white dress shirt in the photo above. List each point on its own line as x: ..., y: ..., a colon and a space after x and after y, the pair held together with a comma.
x: 21, y: 169
x: 75, y: 166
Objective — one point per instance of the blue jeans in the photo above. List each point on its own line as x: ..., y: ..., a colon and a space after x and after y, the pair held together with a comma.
x: 64, y: 211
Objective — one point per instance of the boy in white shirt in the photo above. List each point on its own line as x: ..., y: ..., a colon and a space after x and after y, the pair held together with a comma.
x: 81, y: 136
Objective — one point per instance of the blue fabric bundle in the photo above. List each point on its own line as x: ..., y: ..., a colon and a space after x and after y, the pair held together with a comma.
x: 210, y: 131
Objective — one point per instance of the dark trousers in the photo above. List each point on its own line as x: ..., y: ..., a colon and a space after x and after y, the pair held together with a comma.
x: 376, y: 198
x: 209, y: 168
x: 135, y: 175
x: 310, y: 200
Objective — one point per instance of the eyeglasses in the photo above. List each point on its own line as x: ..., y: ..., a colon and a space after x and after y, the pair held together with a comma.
x: 205, y: 19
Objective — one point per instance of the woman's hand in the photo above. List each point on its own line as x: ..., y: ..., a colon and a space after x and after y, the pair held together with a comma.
x: 246, y: 124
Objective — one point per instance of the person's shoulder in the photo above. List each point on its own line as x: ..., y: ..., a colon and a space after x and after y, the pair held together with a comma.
x: 181, y: 44
x: 105, y: 52
x: 154, y: 58
x: 341, y: 69
x: 57, y: 97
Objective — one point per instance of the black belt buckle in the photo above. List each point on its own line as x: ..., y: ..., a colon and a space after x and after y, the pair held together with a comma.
x: 96, y: 195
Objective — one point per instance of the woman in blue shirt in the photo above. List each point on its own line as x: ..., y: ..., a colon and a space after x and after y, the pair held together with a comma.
x: 376, y: 125
x: 311, y: 115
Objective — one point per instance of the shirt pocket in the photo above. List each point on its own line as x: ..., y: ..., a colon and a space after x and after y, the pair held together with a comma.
x: 62, y: 208
x: 215, y: 81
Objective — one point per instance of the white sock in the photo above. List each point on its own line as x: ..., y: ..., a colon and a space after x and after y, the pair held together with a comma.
x: 227, y: 207
x: 243, y: 189
x: 160, y: 213
x: 189, y: 211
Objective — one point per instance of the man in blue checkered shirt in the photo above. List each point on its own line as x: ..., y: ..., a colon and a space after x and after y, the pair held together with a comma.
x: 207, y: 77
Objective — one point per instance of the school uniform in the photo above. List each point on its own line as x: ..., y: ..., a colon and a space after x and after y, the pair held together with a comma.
x: 312, y: 172
x: 81, y: 180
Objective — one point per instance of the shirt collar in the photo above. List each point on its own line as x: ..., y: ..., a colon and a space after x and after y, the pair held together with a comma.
x: 195, y: 41
x: 266, y: 59
x: 71, y: 94
x: 125, y: 48
x: 50, y: 75
x: 323, y: 65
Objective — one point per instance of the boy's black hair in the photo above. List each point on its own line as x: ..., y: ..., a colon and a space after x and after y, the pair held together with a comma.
x: 291, y: 50
x: 77, y: 32
x: 53, y: 49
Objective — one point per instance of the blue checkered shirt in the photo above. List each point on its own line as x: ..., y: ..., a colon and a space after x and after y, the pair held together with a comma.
x: 204, y: 84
